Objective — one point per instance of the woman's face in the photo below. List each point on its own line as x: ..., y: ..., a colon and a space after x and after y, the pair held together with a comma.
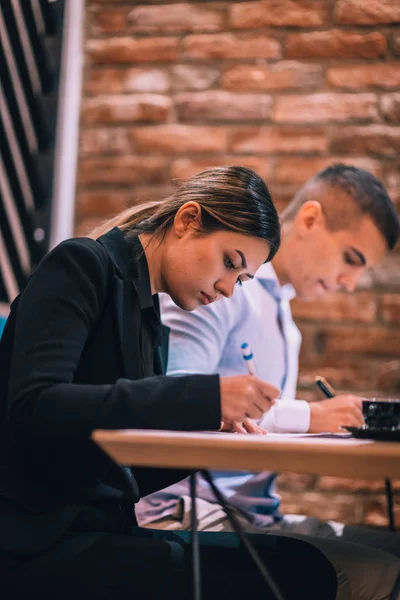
x: 198, y: 269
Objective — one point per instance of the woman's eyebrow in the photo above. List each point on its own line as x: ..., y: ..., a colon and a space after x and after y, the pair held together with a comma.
x: 242, y: 256
x: 244, y: 263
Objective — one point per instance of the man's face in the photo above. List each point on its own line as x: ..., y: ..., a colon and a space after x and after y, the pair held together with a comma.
x: 324, y: 261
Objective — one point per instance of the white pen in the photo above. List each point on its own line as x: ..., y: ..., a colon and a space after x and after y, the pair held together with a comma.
x: 248, y: 357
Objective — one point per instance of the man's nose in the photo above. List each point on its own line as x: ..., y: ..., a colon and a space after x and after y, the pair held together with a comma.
x: 349, y: 281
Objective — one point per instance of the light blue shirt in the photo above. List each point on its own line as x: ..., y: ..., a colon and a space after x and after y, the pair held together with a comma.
x: 208, y: 340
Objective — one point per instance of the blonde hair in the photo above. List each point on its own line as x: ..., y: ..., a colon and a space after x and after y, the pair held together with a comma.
x: 231, y: 198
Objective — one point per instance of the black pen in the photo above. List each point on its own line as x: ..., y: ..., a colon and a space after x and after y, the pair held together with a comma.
x: 324, y: 386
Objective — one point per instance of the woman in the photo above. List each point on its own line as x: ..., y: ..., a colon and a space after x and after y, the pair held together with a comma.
x: 82, y: 350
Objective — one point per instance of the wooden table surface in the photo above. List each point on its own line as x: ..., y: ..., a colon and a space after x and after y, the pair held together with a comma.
x: 345, y: 457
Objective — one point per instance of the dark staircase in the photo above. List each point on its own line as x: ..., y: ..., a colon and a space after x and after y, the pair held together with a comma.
x: 30, y: 55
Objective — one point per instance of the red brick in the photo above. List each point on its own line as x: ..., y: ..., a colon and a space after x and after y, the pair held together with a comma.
x: 343, y: 371
x: 223, y: 106
x: 335, y: 43
x: 130, y: 50
x: 392, y: 174
x: 107, y: 19
x: 308, y: 396
x: 102, y: 202
x: 390, y: 308
x: 376, y: 512
x: 179, y: 139
x: 279, y: 13
x: 123, y: 170
x: 296, y: 482
x: 107, y: 140
x: 394, y: 193
x: 102, y: 81
x: 132, y: 2
x: 183, y: 168
x: 150, y: 193
x: 279, y: 140
x: 298, y: 170
x: 341, y: 507
x: 177, y: 17
x: 377, y: 75
x: 344, y: 484
x: 309, y: 339
x: 282, y: 194
x: 146, y: 2
x: 135, y: 107
x: 230, y: 46
x: 83, y: 227
x: 380, y: 140
x: 390, y: 107
x: 395, y: 43
x: 193, y: 77
x: 389, y: 378
x: 283, y: 75
x: 360, y: 12
x: 325, y: 107
x: 116, y: 80
x: 363, y: 340
x: 386, y: 275
x: 140, y: 79
x: 359, y: 307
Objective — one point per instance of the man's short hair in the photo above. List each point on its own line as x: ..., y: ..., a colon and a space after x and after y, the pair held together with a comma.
x: 366, y: 193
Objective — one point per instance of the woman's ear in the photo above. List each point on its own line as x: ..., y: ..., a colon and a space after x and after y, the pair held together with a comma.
x: 187, y: 218
x: 309, y: 216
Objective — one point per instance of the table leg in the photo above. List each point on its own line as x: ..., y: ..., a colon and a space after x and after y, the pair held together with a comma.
x: 390, y: 504
x: 195, y: 541
x: 242, y: 535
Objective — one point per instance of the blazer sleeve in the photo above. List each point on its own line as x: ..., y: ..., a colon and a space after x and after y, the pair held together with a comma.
x: 56, y: 313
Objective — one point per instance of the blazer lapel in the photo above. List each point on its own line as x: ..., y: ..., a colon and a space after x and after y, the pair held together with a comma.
x: 127, y: 310
x: 128, y: 321
x: 161, y: 352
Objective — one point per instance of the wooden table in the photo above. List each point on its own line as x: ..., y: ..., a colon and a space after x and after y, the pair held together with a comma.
x: 344, y: 457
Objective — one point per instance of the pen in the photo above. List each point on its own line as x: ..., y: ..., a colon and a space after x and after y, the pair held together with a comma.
x: 324, y: 386
x: 248, y: 357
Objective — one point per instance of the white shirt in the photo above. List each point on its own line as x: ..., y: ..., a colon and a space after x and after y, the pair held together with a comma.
x: 208, y: 340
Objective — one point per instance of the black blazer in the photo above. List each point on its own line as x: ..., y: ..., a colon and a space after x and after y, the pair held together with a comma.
x: 79, y: 352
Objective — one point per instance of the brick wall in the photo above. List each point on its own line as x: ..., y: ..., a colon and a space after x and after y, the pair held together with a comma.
x: 284, y: 87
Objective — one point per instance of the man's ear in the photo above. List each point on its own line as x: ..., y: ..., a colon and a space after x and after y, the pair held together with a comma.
x: 187, y: 218
x: 309, y: 216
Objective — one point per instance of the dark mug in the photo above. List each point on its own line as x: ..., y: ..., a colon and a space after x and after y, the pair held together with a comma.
x: 381, y: 413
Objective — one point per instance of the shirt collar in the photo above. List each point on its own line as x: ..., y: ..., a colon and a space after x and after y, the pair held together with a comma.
x: 268, y: 278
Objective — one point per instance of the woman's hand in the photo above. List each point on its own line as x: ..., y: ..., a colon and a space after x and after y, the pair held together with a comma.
x: 247, y: 426
x: 245, y: 397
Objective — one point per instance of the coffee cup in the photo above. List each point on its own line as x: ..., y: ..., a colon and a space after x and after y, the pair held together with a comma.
x: 381, y: 413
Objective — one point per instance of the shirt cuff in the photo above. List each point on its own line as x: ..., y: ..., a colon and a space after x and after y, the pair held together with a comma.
x: 287, y: 416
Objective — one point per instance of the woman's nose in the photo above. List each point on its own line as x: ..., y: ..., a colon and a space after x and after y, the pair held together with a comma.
x: 225, y: 287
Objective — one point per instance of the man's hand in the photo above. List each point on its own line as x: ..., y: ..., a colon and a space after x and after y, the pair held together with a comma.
x: 331, y: 414
x: 245, y: 396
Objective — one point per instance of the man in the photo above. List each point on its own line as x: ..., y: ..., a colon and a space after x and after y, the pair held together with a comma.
x: 339, y: 223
